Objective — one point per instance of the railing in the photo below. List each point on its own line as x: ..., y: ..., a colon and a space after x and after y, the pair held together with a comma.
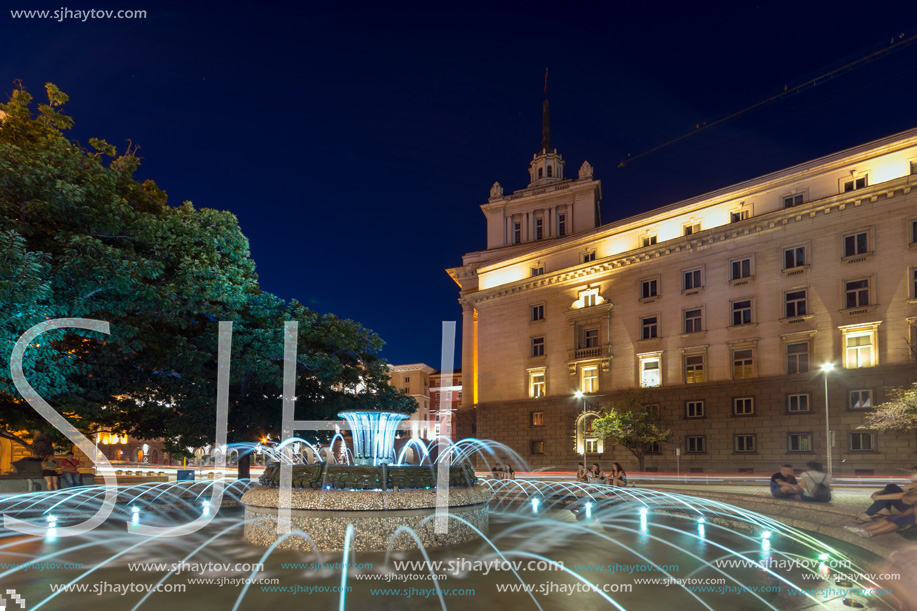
x: 592, y: 352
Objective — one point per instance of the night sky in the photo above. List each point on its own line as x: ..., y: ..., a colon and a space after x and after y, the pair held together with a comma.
x: 355, y: 142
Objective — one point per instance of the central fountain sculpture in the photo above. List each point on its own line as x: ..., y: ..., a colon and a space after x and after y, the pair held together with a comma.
x: 378, y: 498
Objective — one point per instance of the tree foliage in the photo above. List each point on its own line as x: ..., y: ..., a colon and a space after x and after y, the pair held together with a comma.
x: 898, y: 414
x: 81, y: 237
x: 633, y: 423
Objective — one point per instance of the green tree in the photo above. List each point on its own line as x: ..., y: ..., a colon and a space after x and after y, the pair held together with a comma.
x: 898, y: 414
x: 632, y: 423
x: 81, y: 237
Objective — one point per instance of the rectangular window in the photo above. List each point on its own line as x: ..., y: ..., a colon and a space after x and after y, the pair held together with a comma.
x: 649, y: 288
x: 913, y: 167
x: 696, y: 444
x: 799, y: 442
x: 859, y: 351
x: 741, y: 268
x: 693, y: 321
x: 561, y: 224
x: 744, y: 443
x: 538, y: 447
x: 650, y: 374
x: 692, y: 280
x: 650, y: 327
x: 792, y: 200
x: 692, y: 229
x: 794, y: 257
x: 914, y: 231
x: 741, y: 312
x: 539, y: 229
x: 590, y: 379
x: 852, y: 185
x: 738, y: 215
x: 536, y: 385
x: 538, y: 271
x: 797, y: 357
x: 588, y: 300
x: 795, y: 303
x: 743, y: 406
x: 589, y: 256
x: 856, y: 293
x: 517, y: 233
x: 796, y: 404
x: 694, y: 409
x: 538, y: 312
x: 694, y: 369
x: 407, y: 380
x: 537, y: 346
x: 653, y: 448
x: 591, y: 338
x: 862, y: 442
x: 914, y: 283
x: 647, y: 240
x: 592, y: 445
x: 537, y: 418
x: 856, y: 244
x: 860, y: 399
x: 743, y: 364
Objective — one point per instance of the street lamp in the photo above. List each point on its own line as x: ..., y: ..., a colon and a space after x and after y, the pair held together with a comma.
x: 825, y: 369
x: 579, y: 395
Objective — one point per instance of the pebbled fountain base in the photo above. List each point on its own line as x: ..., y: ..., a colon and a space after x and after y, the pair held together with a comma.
x: 375, y: 514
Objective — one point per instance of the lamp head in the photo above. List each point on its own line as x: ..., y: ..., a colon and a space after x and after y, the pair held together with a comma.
x: 827, y: 367
x: 578, y: 394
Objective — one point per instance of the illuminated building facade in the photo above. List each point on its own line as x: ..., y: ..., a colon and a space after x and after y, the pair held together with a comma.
x: 723, y: 307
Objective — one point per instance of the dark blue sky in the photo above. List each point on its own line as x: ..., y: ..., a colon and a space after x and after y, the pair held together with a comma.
x: 355, y: 142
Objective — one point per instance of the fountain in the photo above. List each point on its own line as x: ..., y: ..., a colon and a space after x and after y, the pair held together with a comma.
x: 377, y: 498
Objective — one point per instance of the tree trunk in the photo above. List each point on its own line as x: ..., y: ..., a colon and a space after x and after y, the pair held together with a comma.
x: 244, y: 467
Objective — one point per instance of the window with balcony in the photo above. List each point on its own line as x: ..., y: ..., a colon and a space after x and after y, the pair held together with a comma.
x: 794, y: 303
x: 693, y: 320
x: 861, y: 442
x: 797, y: 357
x: 694, y: 409
x: 741, y: 312
x: 740, y: 268
x: 793, y: 200
x: 797, y: 403
x: 743, y: 364
x: 744, y: 444
x: 590, y: 338
x: 743, y: 406
x: 650, y: 327
x: 799, y: 442
x: 649, y: 288
x: 537, y: 346
x: 860, y: 399
x: 692, y: 279
x: 794, y: 257
x: 856, y: 244
x: 695, y: 444
x: 538, y: 312
x: 590, y: 379
x: 694, y: 368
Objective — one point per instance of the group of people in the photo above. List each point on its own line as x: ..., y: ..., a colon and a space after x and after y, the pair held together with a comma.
x: 814, y: 486
x: 66, y: 469
x: 499, y: 471
x: 595, y: 475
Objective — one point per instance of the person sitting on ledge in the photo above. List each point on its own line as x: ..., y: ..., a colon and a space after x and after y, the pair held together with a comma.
x: 905, y: 519
x: 510, y: 472
x: 581, y: 474
x: 887, y: 499
x: 816, y: 486
x: 784, y: 484
x: 617, y: 477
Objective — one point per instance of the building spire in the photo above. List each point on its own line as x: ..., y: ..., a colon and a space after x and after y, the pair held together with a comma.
x: 546, y: 118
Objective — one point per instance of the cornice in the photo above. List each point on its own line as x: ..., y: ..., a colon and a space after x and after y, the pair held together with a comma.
x: 757, y: 224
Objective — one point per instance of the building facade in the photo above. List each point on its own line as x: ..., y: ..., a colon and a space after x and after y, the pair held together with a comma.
x: 425, y: 384
x: 722, y: 308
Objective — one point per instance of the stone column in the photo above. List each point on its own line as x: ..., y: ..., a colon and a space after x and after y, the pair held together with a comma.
x: 469, y: 371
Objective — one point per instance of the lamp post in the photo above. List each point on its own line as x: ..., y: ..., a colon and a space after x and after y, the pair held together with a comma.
x: 579, y: 395
x: 825, y: 369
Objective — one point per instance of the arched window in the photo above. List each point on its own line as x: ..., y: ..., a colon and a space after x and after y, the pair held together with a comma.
x: 540, y: 172
x: 549, y: 171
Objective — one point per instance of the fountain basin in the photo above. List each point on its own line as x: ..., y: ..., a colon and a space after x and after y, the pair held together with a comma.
x: 375, y: 514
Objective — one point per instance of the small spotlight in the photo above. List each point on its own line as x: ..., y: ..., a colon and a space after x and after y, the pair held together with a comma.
x: 535, y: 502
x: 823, y: 557
x: 701, y: 521
x: 766, y: 534
x: 643, y: 512
x: 589, y: 510
x: 135, y: 509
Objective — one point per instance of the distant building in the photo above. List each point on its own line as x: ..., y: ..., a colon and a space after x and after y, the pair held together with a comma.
x: 425, y: 385
x: 723, y: 306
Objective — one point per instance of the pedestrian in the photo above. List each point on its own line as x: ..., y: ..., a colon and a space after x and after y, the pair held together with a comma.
x: 70, y: 473
x: 49, y: 471
x: 784, y: 484
x: 816, y: 486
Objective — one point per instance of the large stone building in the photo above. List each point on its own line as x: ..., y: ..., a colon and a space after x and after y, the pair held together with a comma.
x: 724, y: 307
x: 425, y: 384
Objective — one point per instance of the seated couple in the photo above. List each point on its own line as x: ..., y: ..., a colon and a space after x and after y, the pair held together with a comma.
x: 814, y: 487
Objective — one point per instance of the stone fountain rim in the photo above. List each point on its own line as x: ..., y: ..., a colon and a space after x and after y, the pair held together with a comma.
x: 365, y: 500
